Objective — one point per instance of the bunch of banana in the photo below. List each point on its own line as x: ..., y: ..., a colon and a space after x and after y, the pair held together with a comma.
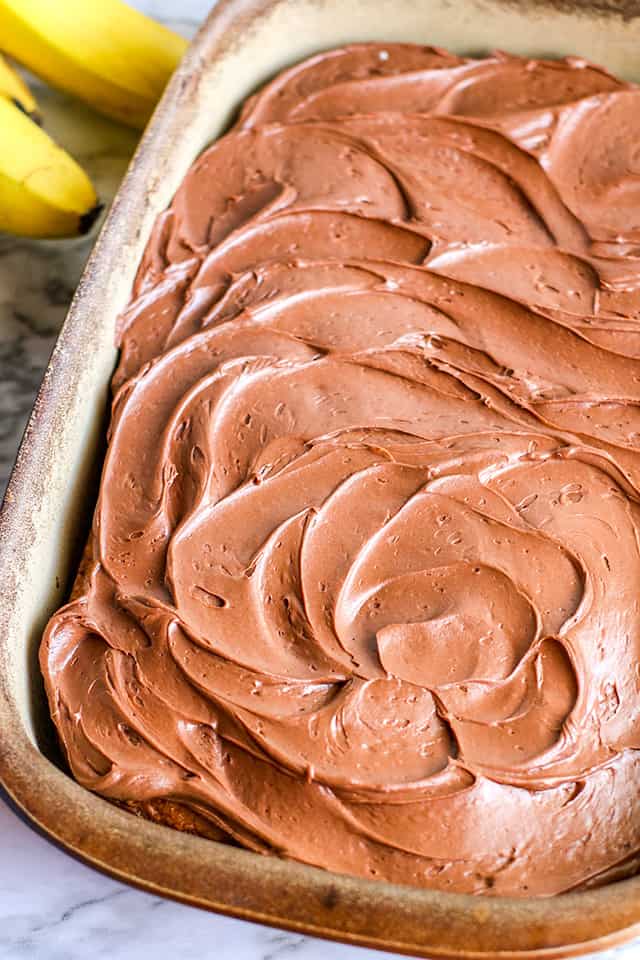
x: 103, y: 52
x: 13, y: 87
x: 43, y: 191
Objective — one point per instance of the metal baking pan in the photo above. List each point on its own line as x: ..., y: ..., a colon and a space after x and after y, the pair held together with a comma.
x: 51, y: 493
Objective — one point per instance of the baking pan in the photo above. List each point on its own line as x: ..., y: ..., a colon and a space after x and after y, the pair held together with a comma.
x: 50, y: 499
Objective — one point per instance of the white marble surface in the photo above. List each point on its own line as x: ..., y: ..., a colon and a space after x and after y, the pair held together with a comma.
x: 51, y: 906
x: 54, y: 908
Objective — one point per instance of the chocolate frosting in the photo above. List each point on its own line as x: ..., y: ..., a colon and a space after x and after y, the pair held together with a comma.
x: 364, y: 583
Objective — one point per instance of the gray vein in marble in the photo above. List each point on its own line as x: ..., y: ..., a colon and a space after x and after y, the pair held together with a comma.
x: 283, y: 945
x: 69, y: 914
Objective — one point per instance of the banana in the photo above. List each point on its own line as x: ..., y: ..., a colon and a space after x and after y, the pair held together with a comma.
x: 102, y: 51
x: 13, y: 87
x: 43, y: 192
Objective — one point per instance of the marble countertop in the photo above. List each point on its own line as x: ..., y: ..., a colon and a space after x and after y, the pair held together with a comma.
x: 51, y: 906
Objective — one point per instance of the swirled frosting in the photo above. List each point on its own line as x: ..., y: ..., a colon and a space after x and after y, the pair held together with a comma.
x: 365, y: 563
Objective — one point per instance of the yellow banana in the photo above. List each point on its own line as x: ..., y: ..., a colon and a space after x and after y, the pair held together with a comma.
x: 13, y: 87
x: 102, y: 51
x: 43, y: 191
